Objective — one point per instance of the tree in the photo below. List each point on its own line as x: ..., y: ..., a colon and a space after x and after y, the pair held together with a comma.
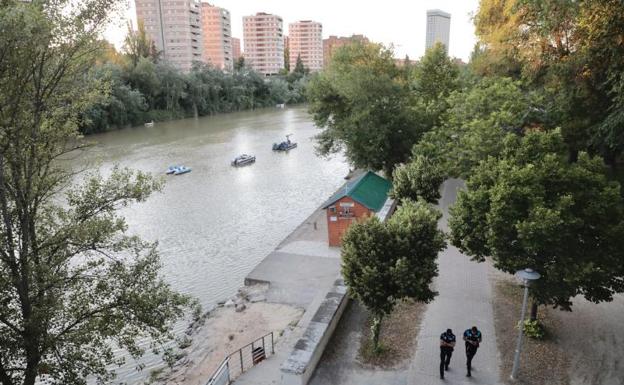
x: 138, y: 45
x: 433, y: 80
x: 73, y: 285
x: 570, y: 51
x: 239, y: 64
x: 476, y: 122
x: 419, y: 179
x: 532, y: 208
x: 299, y: 72
x: 362, y: 103
x: 287, y: 60
x: 384, y: 263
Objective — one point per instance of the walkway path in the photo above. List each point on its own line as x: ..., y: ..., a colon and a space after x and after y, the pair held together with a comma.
x: 464, y: 300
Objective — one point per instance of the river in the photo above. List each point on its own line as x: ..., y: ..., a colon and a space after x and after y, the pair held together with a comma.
x: 217, y: 222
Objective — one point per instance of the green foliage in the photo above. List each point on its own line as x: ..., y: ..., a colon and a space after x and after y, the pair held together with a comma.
x: 362, y: 101
x: 383, y: 263
x: 156, y: 91
x: 532, y: 208
x: 569, y: 51
x: 434, y: 78
x: 476, y: 122
x: 420, y: 178
x: 376, y: 111
x: 137, y: 45
x: 533, y: 329
x: 74, y: 286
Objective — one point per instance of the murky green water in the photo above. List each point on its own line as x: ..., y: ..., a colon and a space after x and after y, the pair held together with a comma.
x: 217, y: 222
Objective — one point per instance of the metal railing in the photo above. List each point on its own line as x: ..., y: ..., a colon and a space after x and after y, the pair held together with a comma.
x: 243, y: 359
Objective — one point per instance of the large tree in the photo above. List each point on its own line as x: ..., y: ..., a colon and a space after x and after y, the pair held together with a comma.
x: 477, y: 120
x: 569, y: 50
x: 384, y: 263
x: 73, y: 285
x: 433, y: 79
x: 362, y: 102
x: 531, y: 208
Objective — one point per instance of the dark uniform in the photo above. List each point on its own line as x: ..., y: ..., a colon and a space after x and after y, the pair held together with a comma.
x: 473, y: 338
x: 446, y: 351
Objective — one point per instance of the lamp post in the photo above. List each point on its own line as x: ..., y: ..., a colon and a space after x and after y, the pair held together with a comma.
x: 526, y: 276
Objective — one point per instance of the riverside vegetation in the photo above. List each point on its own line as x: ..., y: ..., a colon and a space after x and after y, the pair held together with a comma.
x: 534, y: 124
x: 140, y: 87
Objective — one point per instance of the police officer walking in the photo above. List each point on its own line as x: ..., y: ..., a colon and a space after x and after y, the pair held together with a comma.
x: 473, y: 338
x: 447, y: 343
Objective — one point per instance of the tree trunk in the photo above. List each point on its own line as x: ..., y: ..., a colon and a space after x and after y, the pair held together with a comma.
x: 375, y: 329
x: 534, y: 306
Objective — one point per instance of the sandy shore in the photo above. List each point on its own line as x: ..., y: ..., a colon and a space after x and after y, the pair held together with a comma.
x: 225, y: 330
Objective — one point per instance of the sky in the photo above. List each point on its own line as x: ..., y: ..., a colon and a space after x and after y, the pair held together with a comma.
x: 398, y: 22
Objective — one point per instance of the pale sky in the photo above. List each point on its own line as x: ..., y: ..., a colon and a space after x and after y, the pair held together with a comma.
x: 401, y: 22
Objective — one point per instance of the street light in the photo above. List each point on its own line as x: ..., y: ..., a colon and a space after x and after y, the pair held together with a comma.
x: 526, y: 276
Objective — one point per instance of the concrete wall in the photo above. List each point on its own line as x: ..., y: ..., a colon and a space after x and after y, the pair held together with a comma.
x: 339, y: 221
x: 299, y: 367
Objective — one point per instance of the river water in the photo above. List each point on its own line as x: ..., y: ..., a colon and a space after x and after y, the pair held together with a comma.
x: 217, y: 222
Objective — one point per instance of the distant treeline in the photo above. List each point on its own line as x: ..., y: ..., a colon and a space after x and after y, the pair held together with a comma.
x: 145, y: 89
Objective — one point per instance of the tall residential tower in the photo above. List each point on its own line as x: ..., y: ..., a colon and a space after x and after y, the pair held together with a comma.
x: 217, y: 36
x: 263, y: 38
x: 438, y: 28
x: 306, y: 41
x: 175, y: 28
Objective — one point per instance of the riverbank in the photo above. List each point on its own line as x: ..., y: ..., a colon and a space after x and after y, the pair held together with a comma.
x: 281, y: 294
x: 216, y: 223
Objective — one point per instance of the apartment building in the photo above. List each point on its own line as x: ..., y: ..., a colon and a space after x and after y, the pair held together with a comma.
x: 331, y: 44
x: 305, y: 40
x: 438, y: 28
x: 175, y: 28
x: 263, y: 40
x: 236, y: 48
x: 217, y: 36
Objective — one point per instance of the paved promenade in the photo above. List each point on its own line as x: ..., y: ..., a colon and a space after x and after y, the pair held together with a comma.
x: 300, y: 271
x: 464, y: 300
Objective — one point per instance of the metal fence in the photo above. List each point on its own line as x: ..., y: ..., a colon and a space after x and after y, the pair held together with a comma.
x: 243, y: 359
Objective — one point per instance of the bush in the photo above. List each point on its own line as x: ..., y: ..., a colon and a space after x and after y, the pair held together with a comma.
x: 533, y: 329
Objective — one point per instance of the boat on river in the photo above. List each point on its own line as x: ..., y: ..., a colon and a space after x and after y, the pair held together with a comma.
x: 182, y: 170
x: 149, y: 124
x: 177, y: 170
x: 243, y: 160
x: 285, y: 145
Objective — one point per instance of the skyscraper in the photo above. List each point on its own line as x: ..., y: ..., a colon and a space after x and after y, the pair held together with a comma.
x: 306, y: 41
x: 263, y: 39
x: 217, y: 36
x: 175, y: 28
x: 438, y: 28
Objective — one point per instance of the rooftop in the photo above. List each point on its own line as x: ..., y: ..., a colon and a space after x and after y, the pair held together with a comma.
x: 369, y: 190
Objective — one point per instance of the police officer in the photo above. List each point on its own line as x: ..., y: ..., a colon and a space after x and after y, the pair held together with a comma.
x: 473, y: 338
x: 447, y: 343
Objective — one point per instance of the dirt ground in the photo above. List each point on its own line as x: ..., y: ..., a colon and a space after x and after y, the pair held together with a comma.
x: 226, y: 330
x: 593, y: 336
x: 543, y: 362
x: 397, y: 337
x: 585, y: 346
